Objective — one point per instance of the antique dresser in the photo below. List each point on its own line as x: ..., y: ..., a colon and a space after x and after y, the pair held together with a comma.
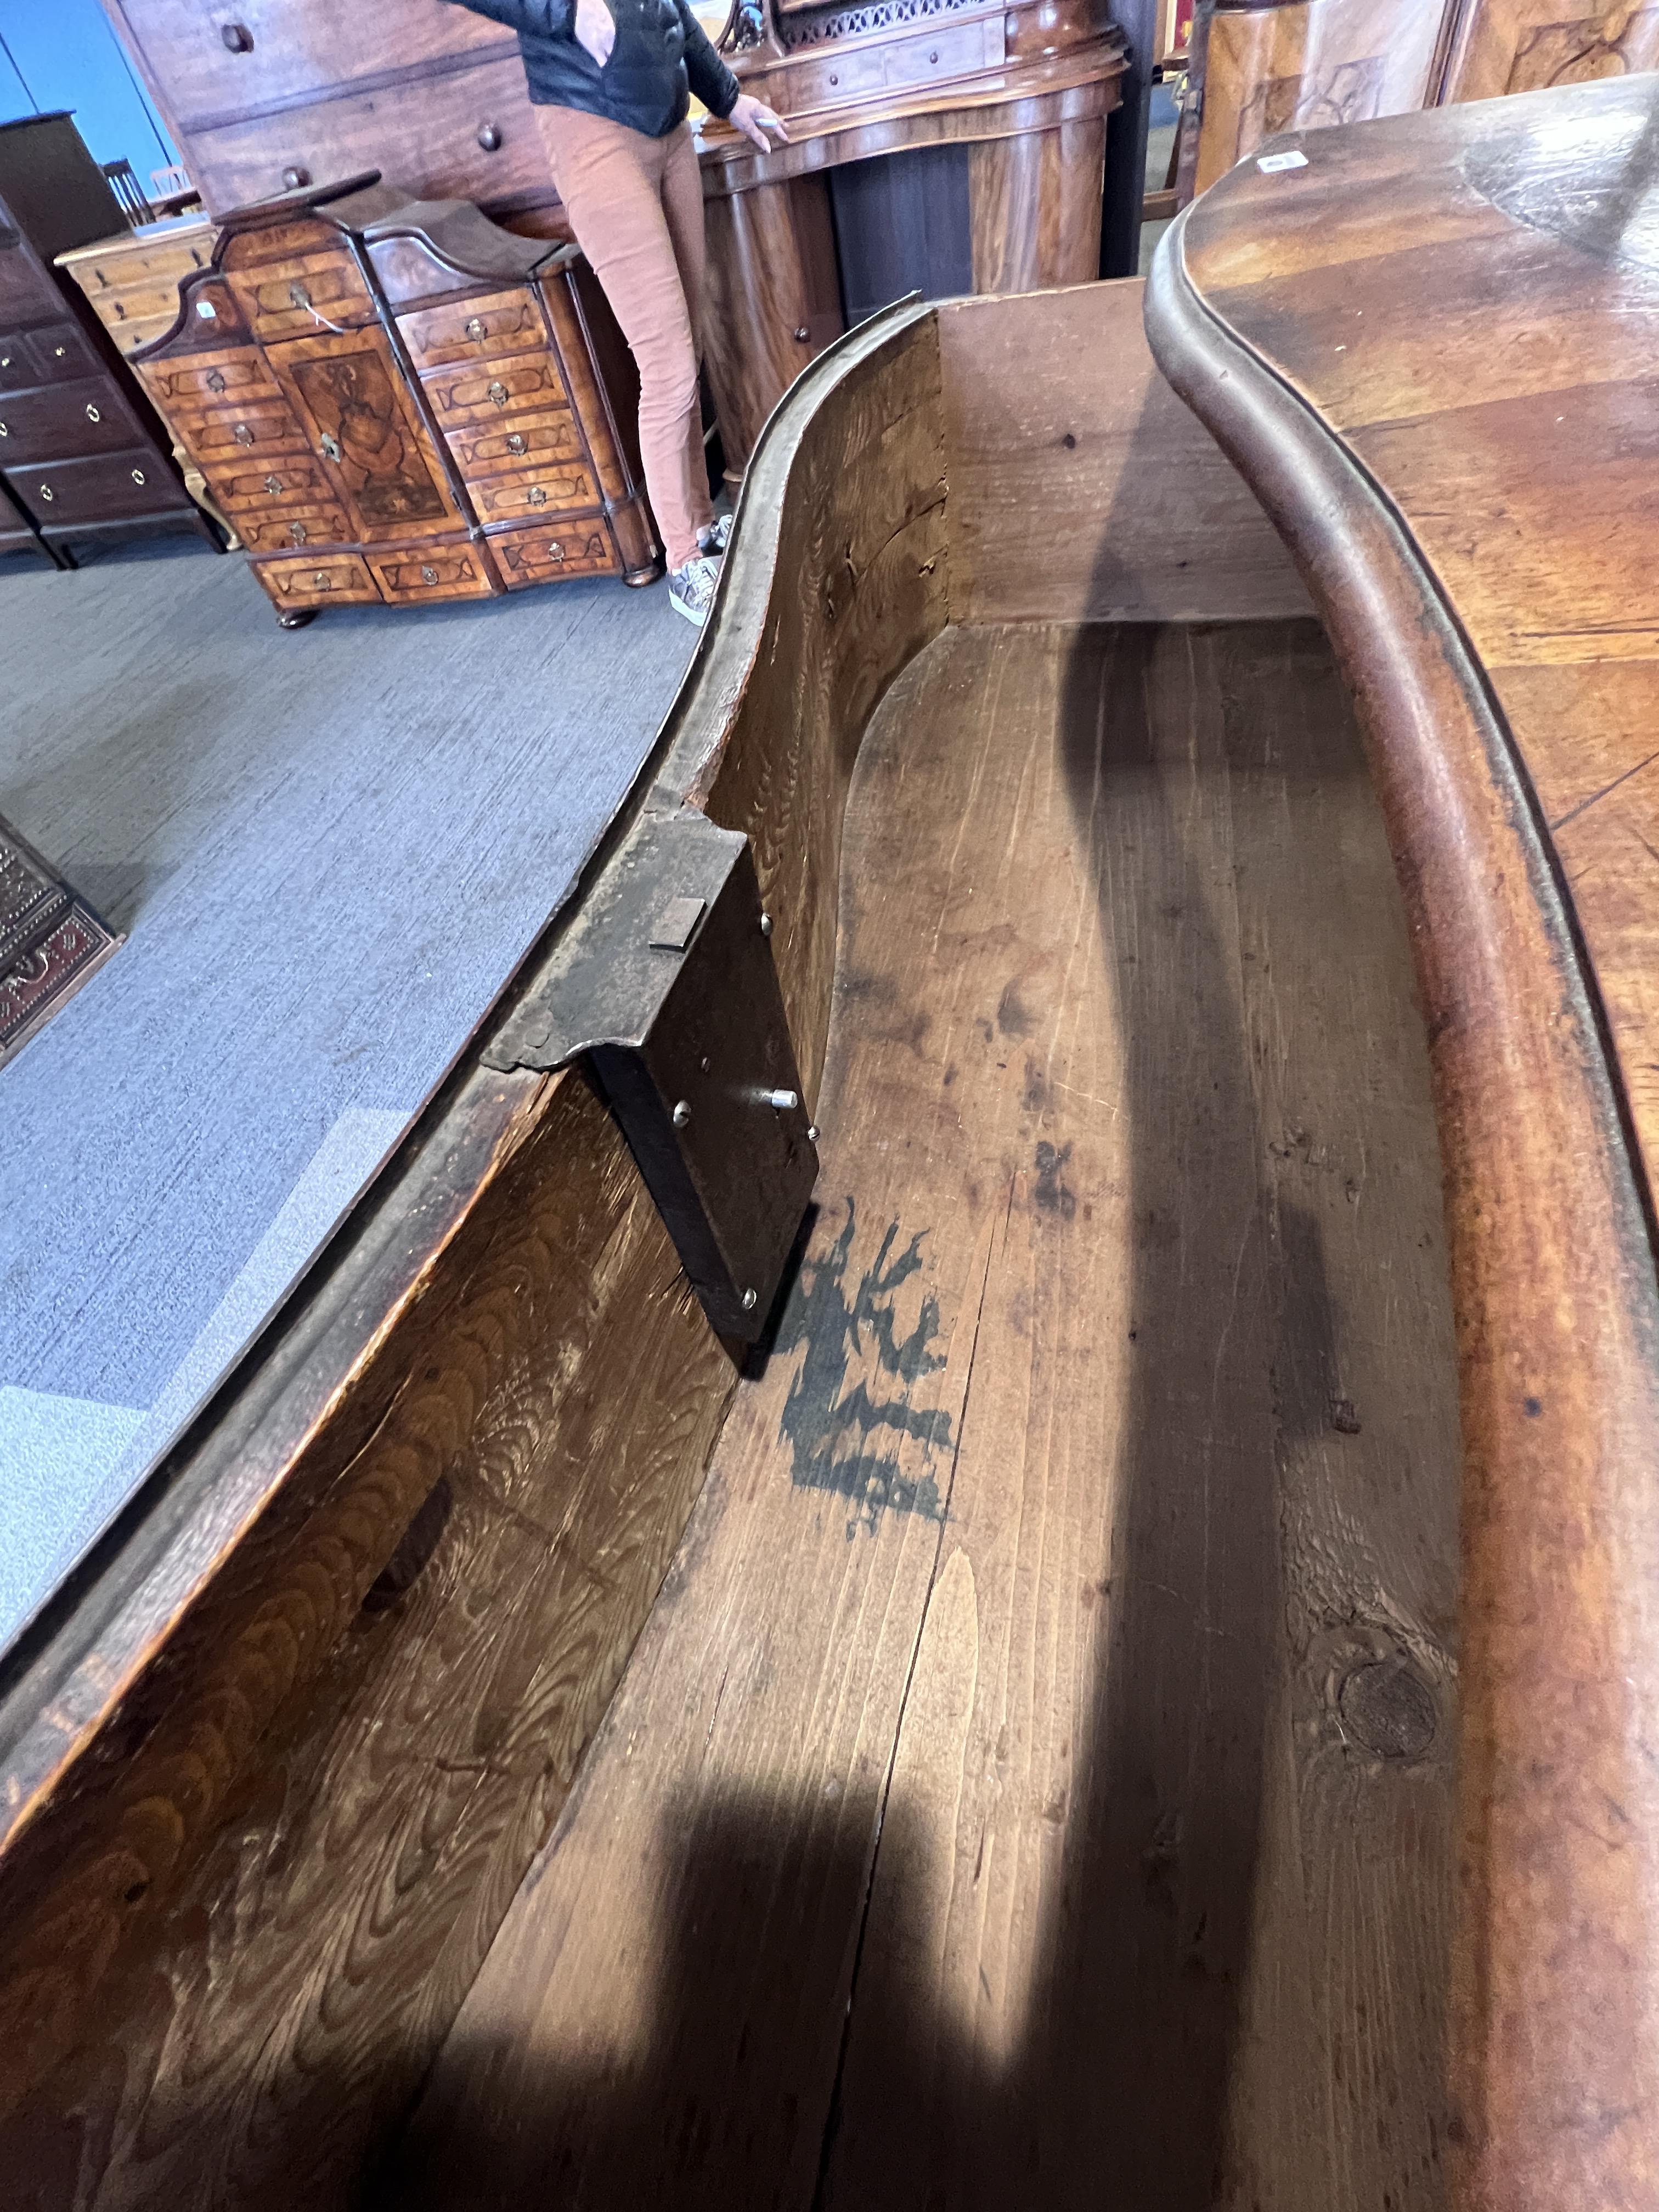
x: 403, y: 403
x: 81, y: 452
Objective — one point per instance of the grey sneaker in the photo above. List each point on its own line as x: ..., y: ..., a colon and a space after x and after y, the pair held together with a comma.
x: 692, y: 589
x: 715, y: 540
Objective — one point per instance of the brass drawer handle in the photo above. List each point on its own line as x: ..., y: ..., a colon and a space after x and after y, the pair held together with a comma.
x: 536, y: 496
x: 138, y: 475
x: 297, y: 533
x: 555, y: 551
x: 428, y: 576
x: 216, y: 382
x: 515, y: 444
x: 237, y: 37
x: 489, y: 137
x: 5, y: 430
x: 298, y: 297
x: 57, y: 352
x: 242, y: 434
x: 476, y: 327
x: 330, y: 447
x: 498, y: 393
x: 46, y: 492
x: 5, y: 361
x: 295, y: 177
x: 273, y: 483
x: 323, y: 580
x: 92, y: 415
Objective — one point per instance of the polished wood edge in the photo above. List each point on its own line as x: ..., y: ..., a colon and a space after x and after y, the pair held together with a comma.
x: 78, y: 1665
x: 1006, y: 104
x: 1554, y: 2083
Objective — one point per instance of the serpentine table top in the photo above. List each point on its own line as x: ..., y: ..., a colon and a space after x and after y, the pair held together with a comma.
x: 1432, y: 345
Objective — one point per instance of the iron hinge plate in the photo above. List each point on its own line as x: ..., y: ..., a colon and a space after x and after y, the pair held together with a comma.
x: 665, y: 980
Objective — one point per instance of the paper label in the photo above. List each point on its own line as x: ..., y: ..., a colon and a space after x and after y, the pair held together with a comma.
x: 1271, y: 164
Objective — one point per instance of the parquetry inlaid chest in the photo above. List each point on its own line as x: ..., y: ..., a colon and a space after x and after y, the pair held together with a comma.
x: 404, y: 403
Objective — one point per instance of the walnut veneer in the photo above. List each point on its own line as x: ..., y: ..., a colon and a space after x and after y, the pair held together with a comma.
x: 404, y: 403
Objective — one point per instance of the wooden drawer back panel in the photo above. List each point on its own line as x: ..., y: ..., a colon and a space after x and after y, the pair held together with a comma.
x: 295, y: 49
x: 267, y: 294
x: 498, y: 390
x: 422, y: 136
x: 309, y: 582
x: 535, y: 557
x: 472, y: 329
x: 526, y: 493
x: 492, y: 449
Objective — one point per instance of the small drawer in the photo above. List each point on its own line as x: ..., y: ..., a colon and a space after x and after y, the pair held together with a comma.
x: 492, y: 449
x: 209, y: 380
x: 527, y: 493
x: 292, y: 480
x: 433, y: 572
x: 465, y: 329
x: 493, y: 390
x: 72, y: 420
x: 322, y: 524
x: 17, y: 370
x: 533, y: 557
x: 341, y: 577
x: 262, y: 429
x: 296, y: 299
x: 62, y: 351
x: 107, y: 488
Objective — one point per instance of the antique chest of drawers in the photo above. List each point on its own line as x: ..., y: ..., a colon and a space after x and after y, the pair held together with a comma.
x: 81, y: 453
x: 403, y: 403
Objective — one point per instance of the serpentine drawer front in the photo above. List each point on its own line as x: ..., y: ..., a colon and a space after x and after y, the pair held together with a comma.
x: 406, y: 389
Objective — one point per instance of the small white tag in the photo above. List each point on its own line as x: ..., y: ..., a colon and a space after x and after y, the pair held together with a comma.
x: 207, y: 311
x: 1271, y: 164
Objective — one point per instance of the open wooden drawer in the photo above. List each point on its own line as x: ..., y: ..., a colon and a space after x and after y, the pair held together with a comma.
x: 1034, y: 1782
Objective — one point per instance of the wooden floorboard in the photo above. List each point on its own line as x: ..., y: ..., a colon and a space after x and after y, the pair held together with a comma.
x: 1032, y: 1786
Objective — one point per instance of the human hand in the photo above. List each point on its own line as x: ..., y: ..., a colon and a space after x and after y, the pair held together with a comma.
x: 754, y: 119
x: 596, y: 29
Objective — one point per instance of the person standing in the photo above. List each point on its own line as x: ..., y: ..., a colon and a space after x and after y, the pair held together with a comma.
x: 610, y: 83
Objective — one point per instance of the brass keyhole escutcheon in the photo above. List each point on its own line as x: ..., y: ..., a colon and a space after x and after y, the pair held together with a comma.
x: 92, y: 415
x: 498, y: 393
x: 514, y: 443
x: 330, y: 447
x: 273, y: 483
x: 215, y: 381
x: 536, y: 496
x: 242, y: 434
x: 428, y: 576
x: 475, y: 326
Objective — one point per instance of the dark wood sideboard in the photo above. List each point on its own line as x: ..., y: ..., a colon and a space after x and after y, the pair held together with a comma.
x: 403, y: 402
x: 1303, y: 64
x: 82, y: 454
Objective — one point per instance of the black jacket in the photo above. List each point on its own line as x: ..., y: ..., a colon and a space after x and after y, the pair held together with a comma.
x: 662, y: 55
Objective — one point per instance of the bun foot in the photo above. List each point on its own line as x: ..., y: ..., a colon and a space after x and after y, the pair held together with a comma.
x: 297, y: 617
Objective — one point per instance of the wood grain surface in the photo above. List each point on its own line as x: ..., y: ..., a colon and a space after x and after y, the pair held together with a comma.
x: 994, y: 1808
x: 1474, y: 517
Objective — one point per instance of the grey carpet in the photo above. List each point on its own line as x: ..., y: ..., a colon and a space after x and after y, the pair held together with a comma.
x: 330, y: 848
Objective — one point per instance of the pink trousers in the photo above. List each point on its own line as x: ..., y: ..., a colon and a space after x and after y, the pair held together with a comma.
x: 635, y: 204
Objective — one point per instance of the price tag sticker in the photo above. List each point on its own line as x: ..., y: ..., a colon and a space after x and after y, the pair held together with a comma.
x: 207, y: 311
x: 1271, y: 164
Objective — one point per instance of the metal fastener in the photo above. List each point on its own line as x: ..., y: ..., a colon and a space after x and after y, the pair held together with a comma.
x: 681, y: 1114
x: 766, y: 925
x: 784, y: 1101
x: 812, y: 1133
x: 92, y: 415
x: 749, y: 1302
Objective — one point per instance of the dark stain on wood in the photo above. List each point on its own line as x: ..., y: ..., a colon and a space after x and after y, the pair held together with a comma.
x: 845, y: 1440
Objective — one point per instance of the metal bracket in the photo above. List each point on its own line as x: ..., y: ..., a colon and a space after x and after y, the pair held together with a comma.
x: 665, y: 979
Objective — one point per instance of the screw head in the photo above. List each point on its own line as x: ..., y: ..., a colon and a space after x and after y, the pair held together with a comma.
x: 766, y: 925
x: 749, y: 1302
x: 682, y: 1114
